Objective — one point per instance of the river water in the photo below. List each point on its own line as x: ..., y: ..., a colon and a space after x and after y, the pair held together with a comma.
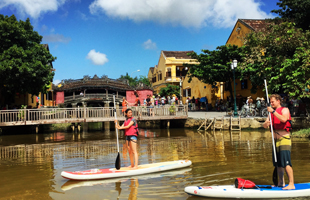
x: 30, y: 164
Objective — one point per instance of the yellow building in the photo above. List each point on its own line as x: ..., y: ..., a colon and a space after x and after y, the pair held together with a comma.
x: 240, y: 30
x: 170, y: 70
x: 41, y: 100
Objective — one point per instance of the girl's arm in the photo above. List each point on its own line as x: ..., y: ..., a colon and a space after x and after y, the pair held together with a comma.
x: 126, y: 127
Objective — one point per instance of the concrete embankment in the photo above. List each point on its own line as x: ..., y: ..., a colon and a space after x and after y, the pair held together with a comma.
x: 250, y: 123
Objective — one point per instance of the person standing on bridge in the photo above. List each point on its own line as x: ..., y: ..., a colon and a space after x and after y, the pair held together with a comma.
x: 130, y: 127
x: 124, y: 105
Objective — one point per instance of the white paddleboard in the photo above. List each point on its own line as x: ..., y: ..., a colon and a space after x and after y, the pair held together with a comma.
x: 95, y: 174
x: 230, y: 191
x: 70, y: 184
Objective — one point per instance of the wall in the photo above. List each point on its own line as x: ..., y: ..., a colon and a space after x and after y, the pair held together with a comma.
x: 161, y: 67
x: 60, y: 97
x: 142, y: 94
x: 236, y: 38
x: 199, y: 89
x: 237, y: 35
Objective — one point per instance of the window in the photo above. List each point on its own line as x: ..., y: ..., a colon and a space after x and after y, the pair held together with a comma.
x: 227, y: 86
x: 154, y: 79
x: 49, y: 96
x: 160, y: 76
x: 178, y: 71
x: 244, y: 84
x: 168, y: 73
x: 184, y: 71
x: 187, y: 92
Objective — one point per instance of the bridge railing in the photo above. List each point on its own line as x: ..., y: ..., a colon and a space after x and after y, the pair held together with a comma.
x: 92, y: 96
x: 62, y: 115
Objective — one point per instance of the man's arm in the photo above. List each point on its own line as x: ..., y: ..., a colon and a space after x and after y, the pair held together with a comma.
x: 285, y: 114
x: 266, y: 123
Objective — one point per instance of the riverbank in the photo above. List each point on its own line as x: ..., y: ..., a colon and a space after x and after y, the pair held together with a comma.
x: 195, y: 119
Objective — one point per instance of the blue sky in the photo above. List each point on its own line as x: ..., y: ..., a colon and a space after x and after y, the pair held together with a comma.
x: 112, y: 37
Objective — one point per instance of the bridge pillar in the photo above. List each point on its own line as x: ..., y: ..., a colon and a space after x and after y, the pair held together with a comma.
x: 106, y: 125
x: 79, y: 127
x: 72, y: 126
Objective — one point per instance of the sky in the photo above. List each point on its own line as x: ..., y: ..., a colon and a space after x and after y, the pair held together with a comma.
x: 115, y: 37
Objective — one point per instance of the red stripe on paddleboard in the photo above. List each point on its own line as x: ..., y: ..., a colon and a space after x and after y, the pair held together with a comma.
x: 94, y: 172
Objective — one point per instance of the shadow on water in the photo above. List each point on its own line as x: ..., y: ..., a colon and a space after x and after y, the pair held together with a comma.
x: 31, y: 164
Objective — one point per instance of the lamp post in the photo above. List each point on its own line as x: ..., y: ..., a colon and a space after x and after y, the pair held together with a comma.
x: 233, y: 66
x: 134, y: 72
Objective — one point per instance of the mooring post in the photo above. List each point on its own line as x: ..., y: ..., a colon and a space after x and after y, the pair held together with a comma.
x: 72, y: 126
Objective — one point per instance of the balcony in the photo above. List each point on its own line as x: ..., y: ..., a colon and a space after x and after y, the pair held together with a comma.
x: 174, y: 78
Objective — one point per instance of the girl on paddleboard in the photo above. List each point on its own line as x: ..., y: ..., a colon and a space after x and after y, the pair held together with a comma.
x: 130, y: 127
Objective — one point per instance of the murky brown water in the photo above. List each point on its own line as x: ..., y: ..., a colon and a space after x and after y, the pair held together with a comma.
x: 30, y: 165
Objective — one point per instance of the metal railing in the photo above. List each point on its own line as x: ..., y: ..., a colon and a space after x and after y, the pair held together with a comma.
x: 87, y: 114
x: 174, y: 78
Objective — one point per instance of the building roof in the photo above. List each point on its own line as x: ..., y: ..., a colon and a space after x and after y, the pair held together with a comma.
x: 152, y: 69
x: 177, y: 54
x: 254, y: 24
x: 95, y: 82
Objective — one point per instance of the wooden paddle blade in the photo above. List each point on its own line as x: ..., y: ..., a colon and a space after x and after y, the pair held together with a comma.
x: 118, y: 162
x: 275, y: 176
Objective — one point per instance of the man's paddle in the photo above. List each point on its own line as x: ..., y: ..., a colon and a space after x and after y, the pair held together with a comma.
x: 275, y: 171
x: 118, y: 159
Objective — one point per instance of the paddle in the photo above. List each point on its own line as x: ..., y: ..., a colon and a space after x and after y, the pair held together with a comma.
x: 118, y: 159
x: 275, y: 171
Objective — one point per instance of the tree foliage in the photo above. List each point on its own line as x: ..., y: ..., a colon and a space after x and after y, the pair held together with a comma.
x: 25, y: 64
x: 170, y: 90
x: 295, y: 11
x: 134, y: 82
x: 281, y: 53
x: 215, y: 66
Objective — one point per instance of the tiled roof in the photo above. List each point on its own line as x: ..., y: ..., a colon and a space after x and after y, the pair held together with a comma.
x: 177, y: 54
x: 94, y: 82
x: 255, y: 24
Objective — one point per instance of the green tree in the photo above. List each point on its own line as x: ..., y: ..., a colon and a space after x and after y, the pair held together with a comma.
x: 25, y: 64
x: 134, y: 81
x: 170, y: 90
x: 144, y: 80
x: 281, y: 53
x: 214, y: 66
x: 296, y: 11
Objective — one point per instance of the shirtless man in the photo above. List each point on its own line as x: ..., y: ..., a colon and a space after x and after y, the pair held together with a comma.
x: 281, y: 124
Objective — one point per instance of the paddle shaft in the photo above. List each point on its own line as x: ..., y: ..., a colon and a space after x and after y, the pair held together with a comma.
x: 116, y: 130
x: 273, y: 144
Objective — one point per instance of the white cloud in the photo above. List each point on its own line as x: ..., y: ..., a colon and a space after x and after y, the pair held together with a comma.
x: 56, y: 38
x: 97, y: 58
x: 149, y: 44
x: 188, y: 13
x: 82, y: 15
x: 34, y: 8
x: 56, y: 82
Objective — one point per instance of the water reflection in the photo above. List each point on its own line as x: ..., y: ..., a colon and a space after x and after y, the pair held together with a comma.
x: 31, y: 164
